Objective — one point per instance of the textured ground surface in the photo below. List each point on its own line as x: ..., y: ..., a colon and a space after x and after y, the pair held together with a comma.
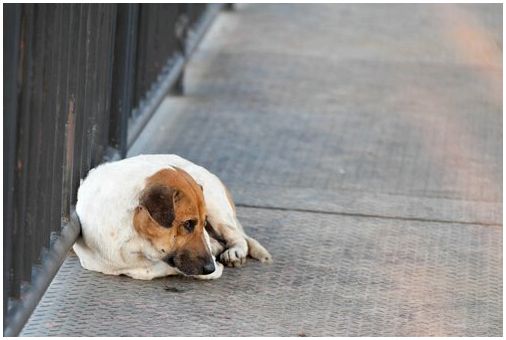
x: 363, y: 145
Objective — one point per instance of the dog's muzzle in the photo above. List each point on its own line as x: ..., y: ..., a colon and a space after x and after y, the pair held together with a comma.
x: 191, y: 266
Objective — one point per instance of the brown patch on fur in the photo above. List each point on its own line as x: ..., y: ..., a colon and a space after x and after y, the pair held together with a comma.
x: 159, y: 200
x: 170, y: 198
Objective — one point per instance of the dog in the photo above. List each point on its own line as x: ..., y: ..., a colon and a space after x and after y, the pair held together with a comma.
x: 151, y: 216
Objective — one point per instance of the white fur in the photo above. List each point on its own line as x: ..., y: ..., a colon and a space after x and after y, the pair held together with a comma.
x: 105, y: 205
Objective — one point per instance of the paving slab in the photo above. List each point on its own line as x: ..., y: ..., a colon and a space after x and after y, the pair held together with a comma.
x: 363, y: 145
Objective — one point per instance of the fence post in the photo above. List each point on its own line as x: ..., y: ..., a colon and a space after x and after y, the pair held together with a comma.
x: 122, y: 101
x: 181, y: 30
x: 12, y: 17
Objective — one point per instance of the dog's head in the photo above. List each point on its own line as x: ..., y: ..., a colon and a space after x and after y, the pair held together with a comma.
x: 172, y: 215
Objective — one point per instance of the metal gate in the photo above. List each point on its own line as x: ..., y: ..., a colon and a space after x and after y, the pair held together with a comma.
x: 80, y: 83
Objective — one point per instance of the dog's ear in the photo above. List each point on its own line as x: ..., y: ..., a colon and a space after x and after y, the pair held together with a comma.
x: 160, y: 201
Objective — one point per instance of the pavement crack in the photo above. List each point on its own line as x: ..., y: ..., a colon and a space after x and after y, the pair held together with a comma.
x: 338, y: 213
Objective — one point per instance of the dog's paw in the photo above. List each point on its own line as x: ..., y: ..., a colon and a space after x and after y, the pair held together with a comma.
x: 234, y: 256
x: 257, y: 251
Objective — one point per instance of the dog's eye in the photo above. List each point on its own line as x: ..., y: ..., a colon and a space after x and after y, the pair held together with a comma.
x: 190, y: 225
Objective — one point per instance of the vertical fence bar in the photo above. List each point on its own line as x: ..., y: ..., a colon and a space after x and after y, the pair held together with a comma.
x: 181, y: 32
x: 34, y: 155
x: 93, y: 32
x: 73, y: 71
x: 103, y: 93
x: 62, y: 113
x: 141, y: 52
x: 56, y: 124
x: 47, y: 133
x: 23, y: 148
x: 11, y: 26
x: 81, y: 88
x: 122, y: 99
x: 70, y: 35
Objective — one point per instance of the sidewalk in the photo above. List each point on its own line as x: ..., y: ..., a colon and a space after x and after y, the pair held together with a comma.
x: 363, y: 146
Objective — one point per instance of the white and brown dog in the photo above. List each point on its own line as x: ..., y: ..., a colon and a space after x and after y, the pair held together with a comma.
x: 156, y: 215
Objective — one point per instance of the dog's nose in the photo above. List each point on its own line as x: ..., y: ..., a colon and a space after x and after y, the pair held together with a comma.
x: 208, y: 268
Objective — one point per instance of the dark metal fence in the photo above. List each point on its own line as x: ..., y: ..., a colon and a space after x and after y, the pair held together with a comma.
x: 80, y: 83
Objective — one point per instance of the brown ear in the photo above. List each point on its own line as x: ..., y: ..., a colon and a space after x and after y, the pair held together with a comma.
x: 159, y: 202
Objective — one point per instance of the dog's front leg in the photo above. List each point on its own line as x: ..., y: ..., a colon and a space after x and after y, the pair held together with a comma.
x: 224, y: 227
x: 216, y: 247
x: 232, y: 240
